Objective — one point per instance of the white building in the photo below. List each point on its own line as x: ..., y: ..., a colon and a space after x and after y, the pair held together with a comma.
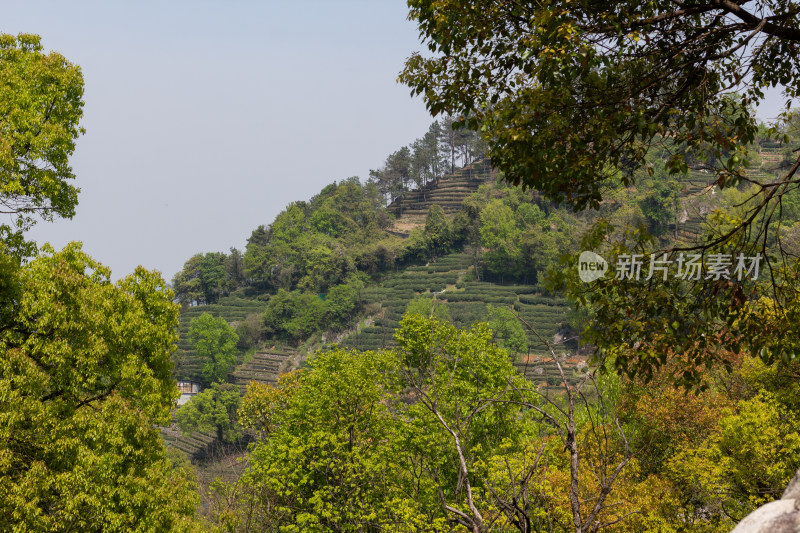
x: 187, y: 389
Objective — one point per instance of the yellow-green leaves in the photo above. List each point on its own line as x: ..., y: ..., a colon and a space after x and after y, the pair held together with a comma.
x: 41, y: 104
x: 214, y: 342
x: 85, y: 374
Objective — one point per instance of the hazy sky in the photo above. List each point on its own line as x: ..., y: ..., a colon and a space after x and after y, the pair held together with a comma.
x: 205, y: 119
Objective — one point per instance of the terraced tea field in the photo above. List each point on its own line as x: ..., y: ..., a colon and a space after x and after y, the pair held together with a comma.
x: 448, y: 192
x: 466, y: 302
x: 264, y: 367
x: 697, y: 193
x: 233, y: 310
x: 189, y: 443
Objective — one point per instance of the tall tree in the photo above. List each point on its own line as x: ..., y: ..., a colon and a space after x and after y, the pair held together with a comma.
x: 500, y: 235
x: 85, y: 376
x: 399, y: 165
x: 213, y: 410
x: 203, y: 279
x: 234, y: 266
x: 256, y: 260
x: 330, y: 423
x: 214, y: 342
x: 448, y: 141
x: 436, y: 162
x: 573, y: 98
x: 427, y: 161
x: 437, y: 231
x: 40, y: 108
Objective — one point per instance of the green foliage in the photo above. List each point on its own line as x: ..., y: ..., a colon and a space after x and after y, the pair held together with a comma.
x: 717, y: 453
x: 377, y: 257
x: 85, y: 375
x: 250, y: 331
x: 280, y: 310
x: 342, y: 303
x: 296, y: 315
x: 452, y: 426
x: 562, y: 113
x: 323, y: 262
x: 659, y: 205
x: 207, y: 277
x: 342, y: 449
x: 41, y: 104
x: 307, y: 317
x: 316, y: 245
x: 508, y: 329
x: 202, y: 280
x: 581, y: 103
x: 500, y: 234
x: 746, y: 462
x: 437, y: 230
x: 638, y: 324
x: 424, y: 305
x: 522, y: 237
x: 213, y: 411
x: 324, y: 464
x: 214, y: 343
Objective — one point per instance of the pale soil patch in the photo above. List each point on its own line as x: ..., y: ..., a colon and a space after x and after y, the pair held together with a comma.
x: 405, y: 225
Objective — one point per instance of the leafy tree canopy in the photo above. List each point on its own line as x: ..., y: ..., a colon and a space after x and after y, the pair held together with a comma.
x: 425, y: 306
x: 214, y: 341
x: 298, y: 314
x: 568, y: 93
x: 206, y: 277
x: 213, y: 410
x: 85, y: 375
x: 576, y: 98
x: 41, y: 104
x: 507, y: 328
x: 437, y: 230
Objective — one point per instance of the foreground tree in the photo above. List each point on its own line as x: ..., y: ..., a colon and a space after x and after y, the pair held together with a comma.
x: 458, y: 419
x: 84, y: 377
x: 323, y: 463
x: 440, y: 435
x: 40, y: 108
x: 573, y: 98
x: 569, y: 93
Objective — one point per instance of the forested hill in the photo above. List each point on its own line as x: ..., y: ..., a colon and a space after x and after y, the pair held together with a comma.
x: 344, y: 265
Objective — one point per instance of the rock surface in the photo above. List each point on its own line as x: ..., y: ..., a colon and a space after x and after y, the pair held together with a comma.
x: 780, y: 516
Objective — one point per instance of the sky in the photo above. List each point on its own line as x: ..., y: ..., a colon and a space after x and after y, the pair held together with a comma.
x: 205, y: 119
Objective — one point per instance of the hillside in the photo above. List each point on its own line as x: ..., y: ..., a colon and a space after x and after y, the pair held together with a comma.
x: 342, y: 269
x: 234, y: 310
x: 450, y: 279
